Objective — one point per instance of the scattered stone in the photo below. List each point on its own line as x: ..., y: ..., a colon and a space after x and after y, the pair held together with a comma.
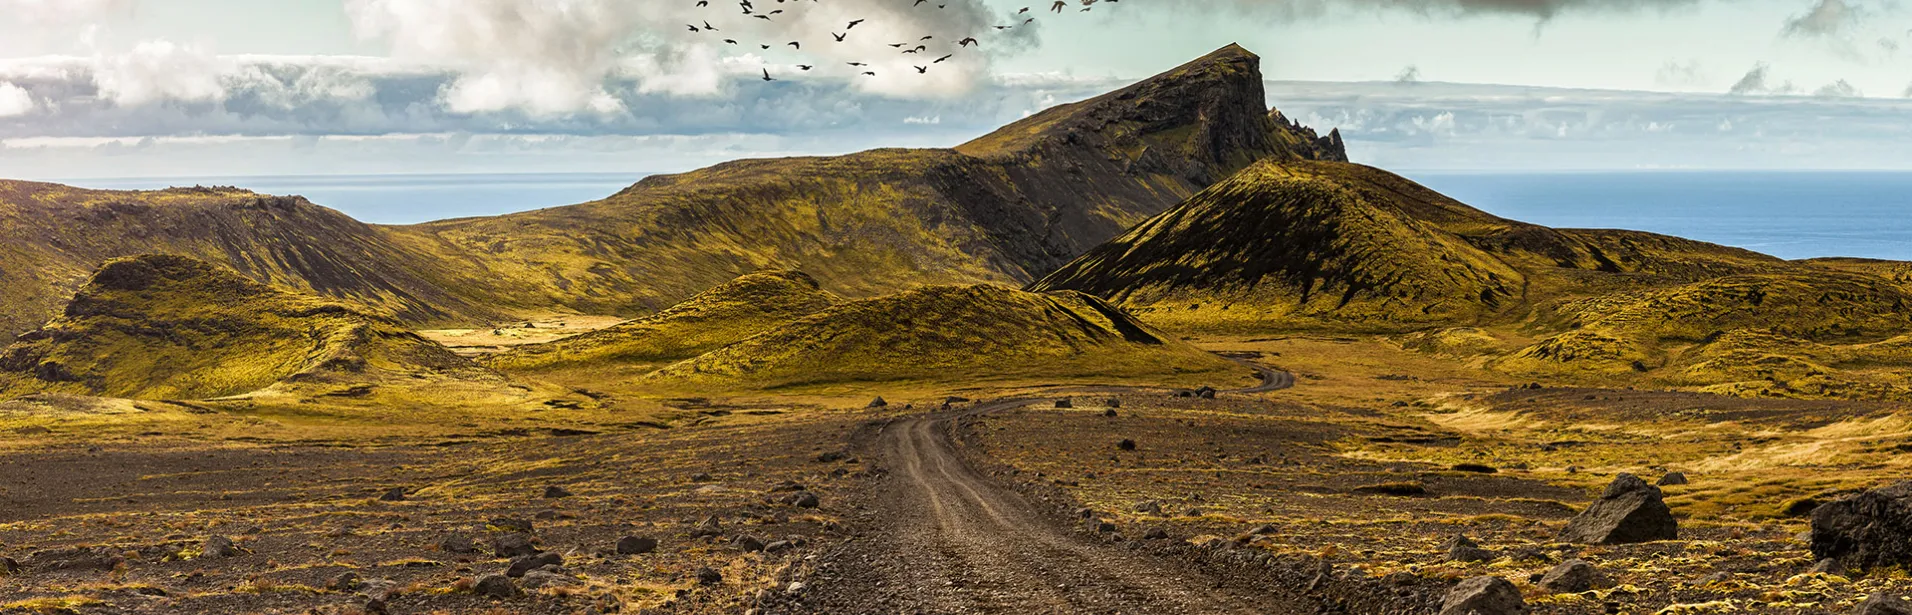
x: 1484, y: 596
x: 496, y: 586
x: 1114, y: 402
x: 878, y: 403
x: 779, y: 546
x: 1869, y: 530
x: 396, y: 494
x: 374, y: 606
x: 747, y: 543
x: 1085, y: 513
x: 1105, y: 527
x: 1205, y: 392
x: 554, y: 492
x: 1829, y: 566
x: 539, y: 579
x: 1151, y: 507
x: 546, y: 515
x: 806, y: 500
x: 219, y: 546
x: 528, y: 563
x: 1464, y: 549
x: 76, y: 558
x: 636, y: 545
x: 786, y: 487
x: 709, y: 576
x: 513, y: 545
x: 1571, y: 577
x: 1065, y: 403
x: 1126, y: 444
x: 1259, y: 530
x: 710, y: 526
x: 1673, y: 479
x: 1155, y: 533
x: 702, y: 477
x: 345, y: 582
x: 505, y: 524
x: 1630, y: 511
x: 459, y: 544
x: 1884, y: 603
x: 831, y: 457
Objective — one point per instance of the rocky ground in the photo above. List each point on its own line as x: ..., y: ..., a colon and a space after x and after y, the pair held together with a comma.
x: 1361, y: 490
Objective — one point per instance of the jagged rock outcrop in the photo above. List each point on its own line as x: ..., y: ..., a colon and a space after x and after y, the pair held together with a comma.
x: 1868, y: 530
x: 1629, y: 511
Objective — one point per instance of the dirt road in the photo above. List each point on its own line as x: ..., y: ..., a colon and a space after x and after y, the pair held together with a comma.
x: 949, y: 540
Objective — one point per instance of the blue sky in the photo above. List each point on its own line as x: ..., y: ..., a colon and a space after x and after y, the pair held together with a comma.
x: 95, y: 88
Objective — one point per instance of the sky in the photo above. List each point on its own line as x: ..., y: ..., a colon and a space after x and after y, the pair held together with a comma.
x: 138, y: 88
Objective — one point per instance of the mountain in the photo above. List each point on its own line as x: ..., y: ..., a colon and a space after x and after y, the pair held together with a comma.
x: 1004, y: 208
x: 173, y: 327
x: 1331, y: 245
x: 1287, y: 245
x: 950, y: 334
x: 731, y: 312
x: 53, y: 237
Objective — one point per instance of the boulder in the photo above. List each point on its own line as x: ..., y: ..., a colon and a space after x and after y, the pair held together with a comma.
x: 219, y: 546
x: 528, y: 563
x: 1630, y: 511
x: 513, y: 545
x: 636, y: 545
x: 747, y: 543
x: 345, y: 582
x: 1155, y: 533
x: 496, y: 586
x: 1571, y: 577
x: 458, y: 544
x: 1464, y: 549
x: 1673, y: 479
x: 1484, y: 596
x: 1884, y: 603
x: 1869, y: 530
x: 805, y: 500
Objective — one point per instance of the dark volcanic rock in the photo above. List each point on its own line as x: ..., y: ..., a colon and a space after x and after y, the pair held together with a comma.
x: 1884, y: 603
x: 396, y: 494
x: 219, y: 546
x: 1868, y: 530
x: 77, y: 558
x: 879, y: 403
x: 459, y: 544
x: 513, y: 545
x: 496, y: 586
x: 1571, y: 577
x: 1629, y: 511
x: 529, y: 563
x: 1464, y: 549
x: 636, y: 545
x: 708, y: 576
x: 1673, y: 479
x: 1484, y: 596
x: 554, y: 492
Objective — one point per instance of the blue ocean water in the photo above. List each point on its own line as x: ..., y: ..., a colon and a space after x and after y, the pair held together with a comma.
x: 1787, y: 214
x: 1791, y: 215
x: 407, y: 199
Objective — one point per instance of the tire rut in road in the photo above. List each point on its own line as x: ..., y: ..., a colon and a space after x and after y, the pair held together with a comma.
x: 939, y: 537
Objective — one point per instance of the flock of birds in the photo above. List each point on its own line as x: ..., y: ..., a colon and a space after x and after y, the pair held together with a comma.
x: 919, y: 47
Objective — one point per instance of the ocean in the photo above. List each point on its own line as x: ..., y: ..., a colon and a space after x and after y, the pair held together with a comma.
x: 408, y: 199
x: 1790, y: 215
x: 1787, y: 214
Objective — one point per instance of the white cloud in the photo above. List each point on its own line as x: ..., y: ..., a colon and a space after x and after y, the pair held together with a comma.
x: 63, y: 12
x: 557, y: 57
x: 15, y: 100
x: 156, y: 71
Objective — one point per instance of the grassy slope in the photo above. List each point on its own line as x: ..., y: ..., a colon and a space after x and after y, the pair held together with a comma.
x: 154, y: 327
x: 952, y: 334
x: 1316, y: 245
x: 728, y: 313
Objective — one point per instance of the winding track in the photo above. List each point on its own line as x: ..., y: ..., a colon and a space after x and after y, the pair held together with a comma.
x: 948, y: 540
